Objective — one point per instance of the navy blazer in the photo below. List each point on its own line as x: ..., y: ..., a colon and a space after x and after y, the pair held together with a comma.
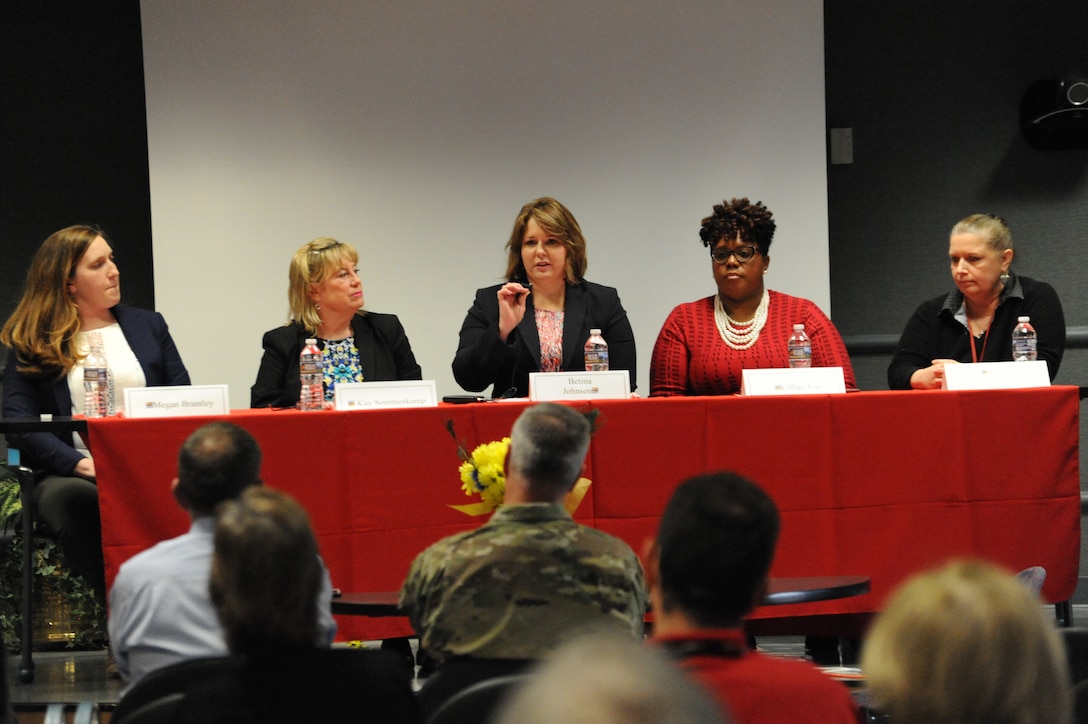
x: 384, y: 354
x: 28, y: 396
x: 483, y: 359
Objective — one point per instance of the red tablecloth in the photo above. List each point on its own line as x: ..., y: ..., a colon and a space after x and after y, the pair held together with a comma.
x: 873, y: 483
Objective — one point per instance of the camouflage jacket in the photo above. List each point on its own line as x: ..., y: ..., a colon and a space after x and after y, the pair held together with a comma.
x: 521, y: 584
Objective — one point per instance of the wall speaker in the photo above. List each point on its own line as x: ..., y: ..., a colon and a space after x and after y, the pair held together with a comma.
x: 1054, y: 112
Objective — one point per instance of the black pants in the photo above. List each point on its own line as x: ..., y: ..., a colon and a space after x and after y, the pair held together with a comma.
x: 69, y: 506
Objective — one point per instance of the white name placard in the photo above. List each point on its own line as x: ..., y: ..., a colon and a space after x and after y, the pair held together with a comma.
x: 996, y: 375
x: 549, y: 386
x: 177, y: 401
x: 793, y: 381
x: 384, y: 395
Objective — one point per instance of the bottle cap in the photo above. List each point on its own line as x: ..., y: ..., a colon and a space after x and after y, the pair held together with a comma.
x: 594, y: 331
x: 311, y: 340
x: 798, y: 328
x: 1023, y: 319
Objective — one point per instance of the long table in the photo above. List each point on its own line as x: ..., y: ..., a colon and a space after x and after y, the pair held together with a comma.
x: 873, y: 483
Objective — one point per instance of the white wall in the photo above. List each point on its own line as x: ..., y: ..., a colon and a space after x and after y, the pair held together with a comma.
x: 415, y: 130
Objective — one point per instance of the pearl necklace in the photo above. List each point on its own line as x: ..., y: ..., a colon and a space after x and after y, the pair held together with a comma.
x: 741, y: 335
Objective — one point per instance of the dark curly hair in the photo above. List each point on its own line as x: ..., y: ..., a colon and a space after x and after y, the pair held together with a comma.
x: 753, y: 222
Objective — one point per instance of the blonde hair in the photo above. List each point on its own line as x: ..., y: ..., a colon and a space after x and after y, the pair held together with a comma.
x: 312, y: 264
x: 967, y: 643
x: 991, y: 228
x: 557, y: 220
x: 43, y: 328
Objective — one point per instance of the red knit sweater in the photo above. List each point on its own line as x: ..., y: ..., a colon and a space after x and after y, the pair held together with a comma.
x: 690, y: 357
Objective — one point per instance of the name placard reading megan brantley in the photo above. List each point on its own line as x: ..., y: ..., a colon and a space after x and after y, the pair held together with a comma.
x: 551, y: 386
x: 177, y: 401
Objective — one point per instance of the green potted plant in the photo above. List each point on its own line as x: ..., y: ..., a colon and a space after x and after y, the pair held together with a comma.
x: 67, y: 613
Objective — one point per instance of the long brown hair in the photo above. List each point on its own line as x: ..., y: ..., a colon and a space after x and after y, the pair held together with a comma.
x: 43, y: 328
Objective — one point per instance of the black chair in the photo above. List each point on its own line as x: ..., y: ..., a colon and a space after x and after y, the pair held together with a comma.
x: 478, y: 703
x: 457, y: 675
x: 1076, y: 653
x: 164, y: 710
x: 175, y: 679
x: 27, y: 481
x: 1080, y: 703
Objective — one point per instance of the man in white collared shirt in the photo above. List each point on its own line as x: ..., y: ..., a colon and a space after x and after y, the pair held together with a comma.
x: 160, y: 609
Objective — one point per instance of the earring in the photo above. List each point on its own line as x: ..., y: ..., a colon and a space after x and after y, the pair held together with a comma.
x: 317, y: 306
x: 1005, y: 276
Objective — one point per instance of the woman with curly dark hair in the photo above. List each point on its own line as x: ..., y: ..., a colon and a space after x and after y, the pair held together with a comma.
x: 705, y: 345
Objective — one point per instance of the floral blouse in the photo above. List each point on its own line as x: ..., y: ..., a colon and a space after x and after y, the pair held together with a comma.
x: 549, y: 327
x: 341, y: 359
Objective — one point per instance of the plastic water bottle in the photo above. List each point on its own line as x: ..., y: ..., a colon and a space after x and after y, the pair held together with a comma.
x: 96, y: 385
x: 1024, y: 340
x: 800, y: 347
x: 311, y: 370
x: 596, y: 352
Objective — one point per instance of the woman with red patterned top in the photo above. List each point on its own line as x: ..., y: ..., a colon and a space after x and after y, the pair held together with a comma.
x: 705, y: 345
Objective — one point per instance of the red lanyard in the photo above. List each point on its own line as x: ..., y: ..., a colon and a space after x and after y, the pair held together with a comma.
x: 975, y: 357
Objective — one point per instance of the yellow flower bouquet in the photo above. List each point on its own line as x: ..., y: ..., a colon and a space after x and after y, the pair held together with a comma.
x: 483, y: 473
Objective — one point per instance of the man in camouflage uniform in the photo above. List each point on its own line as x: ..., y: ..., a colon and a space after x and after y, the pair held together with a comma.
x: 531, y: 577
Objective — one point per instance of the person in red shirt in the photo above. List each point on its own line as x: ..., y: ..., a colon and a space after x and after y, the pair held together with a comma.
x: 704, y: 346
x: 706, y: 570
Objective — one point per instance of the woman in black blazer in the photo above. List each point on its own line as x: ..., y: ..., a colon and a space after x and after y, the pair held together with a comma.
x: 326, y: 299
x: 73, y: 294
x: 539, y: 321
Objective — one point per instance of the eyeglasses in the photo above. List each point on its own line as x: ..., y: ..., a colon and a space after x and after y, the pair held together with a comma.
x: 743, y: 253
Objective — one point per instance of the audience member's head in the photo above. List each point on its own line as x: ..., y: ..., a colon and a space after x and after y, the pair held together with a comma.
x: 713, y: 550
x: 966, y: 643
x: 265, y: 572
x: 609, y: 680
x: 548, y: 447
x: 216, y: 463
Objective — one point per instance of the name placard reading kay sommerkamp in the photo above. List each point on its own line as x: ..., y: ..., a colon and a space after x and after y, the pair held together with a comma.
x: 549, y: 386
x: 384, y: 395
x: 177, y: 401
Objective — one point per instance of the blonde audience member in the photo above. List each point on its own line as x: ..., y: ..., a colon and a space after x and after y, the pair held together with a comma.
x: 967, y: 643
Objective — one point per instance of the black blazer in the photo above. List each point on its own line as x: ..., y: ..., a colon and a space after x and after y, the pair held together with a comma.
x: 30, y: 395
x: 483, y: 359
x: 384, y: 354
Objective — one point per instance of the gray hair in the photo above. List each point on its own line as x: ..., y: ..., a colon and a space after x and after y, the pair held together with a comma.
x: 609, y: 680
x: 548, y: 445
